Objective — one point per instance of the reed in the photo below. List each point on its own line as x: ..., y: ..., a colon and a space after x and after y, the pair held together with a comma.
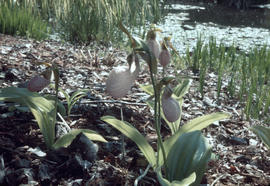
x: 85, y: 20
x: 248, y: 73
x: 21, y: 19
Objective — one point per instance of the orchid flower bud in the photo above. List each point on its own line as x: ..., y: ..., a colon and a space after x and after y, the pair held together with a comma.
x: 170, y: 106
x: 164, y: 56
x: 152, y: 43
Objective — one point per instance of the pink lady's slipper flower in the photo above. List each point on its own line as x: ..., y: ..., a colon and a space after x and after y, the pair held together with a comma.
x: 37, y: 83
x: 121, y: 78
x: 170, y: 106
x: 164, y: 56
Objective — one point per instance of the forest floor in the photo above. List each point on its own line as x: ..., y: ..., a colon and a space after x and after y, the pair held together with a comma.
x: 241, y: 158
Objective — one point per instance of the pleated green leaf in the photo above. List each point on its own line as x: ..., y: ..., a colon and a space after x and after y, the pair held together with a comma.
x: 185, y: 182
x: 195, y: 124
x: 42, y: 109
x: 190, y: 153
x: 182, y: 88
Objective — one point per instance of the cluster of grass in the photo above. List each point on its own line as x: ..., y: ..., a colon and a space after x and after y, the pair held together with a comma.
x: 248, y: 74
x: 20, y: 19
x: 77, y: 21
x: 86, y: 20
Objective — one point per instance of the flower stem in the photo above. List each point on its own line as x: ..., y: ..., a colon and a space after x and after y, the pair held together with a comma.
x: 157, y: 122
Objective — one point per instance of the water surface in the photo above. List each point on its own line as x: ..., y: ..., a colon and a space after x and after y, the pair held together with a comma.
x: 245, y: 29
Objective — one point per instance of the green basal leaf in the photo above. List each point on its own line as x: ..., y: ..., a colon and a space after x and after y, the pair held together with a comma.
x: 202, y: 122
x: 65, y: 94
x: 148, y: 89
x: 263, y: 133
x: 66, y: 139
x: 79, y: 93
x: 182, y: 88
x: 185, y: 182
x: 60, y: 107
x: 75, y: 97
x: 190, y: 153
x: 195, y: 124
x: 132, y: 133
x: 41, y: 108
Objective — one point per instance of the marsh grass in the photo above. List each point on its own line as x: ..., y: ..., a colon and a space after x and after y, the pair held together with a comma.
x: 85, y: 20
x: 80, y: 20
x: 247, y: 75
x: 21, y: 19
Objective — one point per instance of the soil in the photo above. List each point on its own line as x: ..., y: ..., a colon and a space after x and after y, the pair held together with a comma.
x: 241, y: 158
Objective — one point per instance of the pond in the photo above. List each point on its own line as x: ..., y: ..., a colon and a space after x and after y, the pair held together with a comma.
x: 245, y: 29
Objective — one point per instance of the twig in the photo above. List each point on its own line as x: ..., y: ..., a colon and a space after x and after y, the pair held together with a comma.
x: 63, y: 121
x: 113, y: 101
x: 218, y: 178
x: 141, y: 176
x: 122, y: 136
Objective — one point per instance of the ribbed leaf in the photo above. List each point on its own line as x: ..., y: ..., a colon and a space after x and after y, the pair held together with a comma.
x: 185, y: 182
x: 263, y: 133
x: 202, y: 122
x: 132, y: 133
x: 148, y: 89
x: 182, y: 88
x: 195, y: 124
x: 190, y: 153
x: 41, y: 108
x: 66, y: 139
